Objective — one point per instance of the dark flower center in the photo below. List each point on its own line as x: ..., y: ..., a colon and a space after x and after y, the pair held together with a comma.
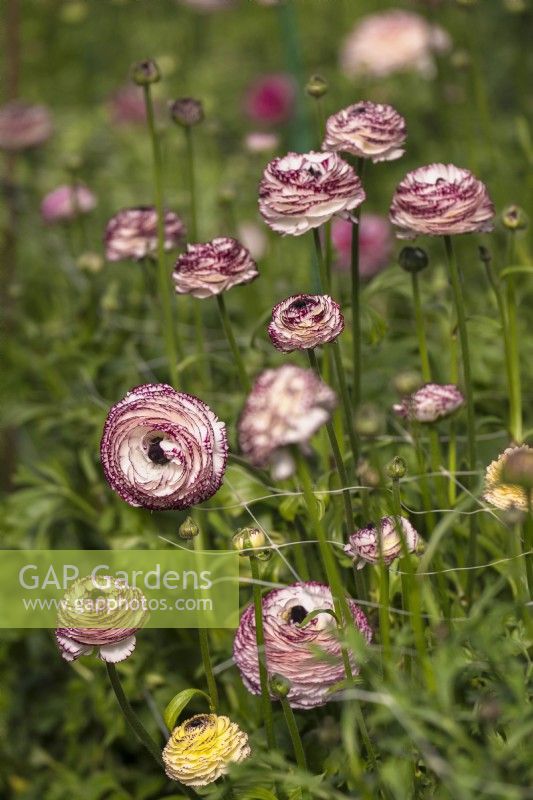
x: 297, y: 614
x: 300, y: 304
x: 199, y: 722
x: 314, y: 172
x: 156, y: 452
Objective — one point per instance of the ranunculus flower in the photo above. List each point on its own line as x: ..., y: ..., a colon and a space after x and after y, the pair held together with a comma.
x: 23, y: 126
x: 201, y: 749
x: 66, y: 203
x: 270, y: 99
x: 440, y: 200
x: 304, y: 321
x: 163, y: 449
x: 286, y: 406
x: 209, y: 269
x: 302, y: 191
x: 392, y: 41
x: 291, y: 650
x: 261, y: 142
x: 364, y: 545
x: 431, y: 402
x: 375, y: 243
x: 132, y: 233
x: 100, y: 612
x: 506, y: 496
x: 367, y: 130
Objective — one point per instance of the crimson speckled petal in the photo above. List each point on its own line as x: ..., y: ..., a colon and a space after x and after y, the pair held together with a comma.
x: 431, y: 402
x: 131, y: 234
x: 367, y: 130
x: 214, y: 267
x: 304, y: 321
x: 300, y: 192
x: 163, y: 449
x: 290, y: 650
x: 364, y: 545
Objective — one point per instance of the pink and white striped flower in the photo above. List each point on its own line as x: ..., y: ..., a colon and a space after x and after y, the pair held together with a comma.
x: 208, y: 269
x: 304, y: 321
x: 367, y: 130
x: 431, y: 402
x: 163, y: 449
x: 66, y: 203
x: 299, y: 192
x: 440, y: 200
x: 131, y: 234
x: 364, y: 545
x: 291, y: 650
x: 24, y: 126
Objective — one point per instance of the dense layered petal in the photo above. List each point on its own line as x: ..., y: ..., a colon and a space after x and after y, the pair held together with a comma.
x: 304, y: 321
x: 299, y: 192
x: 367, y: 130
x: 66, y: 203
x: 163, y: 449
x: 506, y: 496
x: 132, y: 233
x: 24, y: 126
x: 291, y: 650
x: 365, y: 544
x: 209, y: 269
x: 440, y: 200
x: 200, y: 750
x: 286, y: 406
x: 431, y: 402
x: 392, y: 41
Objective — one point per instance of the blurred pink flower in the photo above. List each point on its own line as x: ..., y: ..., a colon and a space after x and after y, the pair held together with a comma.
x: 65, y: 203
x: 207, y: 5
x: 375, y: 243
x: 431, y: 402
x: 23, y: 126
x: 392, y: 41
x: 368, y: 545
x: 132, y: 233
x: 270, y: 99
x: 261, y: 142
x: 253, y: 238
x: 126, y: 105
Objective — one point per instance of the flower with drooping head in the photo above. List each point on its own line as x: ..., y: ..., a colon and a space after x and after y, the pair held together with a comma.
x: 364, y: 545
x: 103, y: 612
x: 286, y: 406
x: 392, y: 41
x: 375, y: 244
x: 304, y: 321
x: 367, y: 130
x: 301, y: 191
x: 291, y: 649
x: 201, y: 749
x: 431, y: 402
x: 440, y: 200
x: 270, y: 99
x: 163, y: 449
x: 132, y: 233
x: 23, y: 126
x: 214, y: 267
x: 498, y: 492
x: 67, y: 202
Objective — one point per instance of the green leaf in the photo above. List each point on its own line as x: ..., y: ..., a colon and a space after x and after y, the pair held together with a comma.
x: 178, y: 703
x: 525, y: 268
x: 258, y: 793
x: 315, y: 613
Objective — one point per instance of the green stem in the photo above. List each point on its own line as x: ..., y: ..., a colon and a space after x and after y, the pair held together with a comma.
x: 260, y: 640
x: 346, y: 405
x: 356, y: 300
x: 208, y: 668
x: 193, y: 231
x: 131, y: 717
x: 513, y: 354
x: 384, y: 625
x: 294, y: 734
x: 528, y: 545
x: 324, y: 280
x: 228, y: 330
x: 471, y: 420
x: 420, y: 330
x: 172, y: 344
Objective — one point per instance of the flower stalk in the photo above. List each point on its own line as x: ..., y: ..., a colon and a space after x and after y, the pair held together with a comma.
x: 230, y: 336
x: 260, y: 639
x: 356, y: 300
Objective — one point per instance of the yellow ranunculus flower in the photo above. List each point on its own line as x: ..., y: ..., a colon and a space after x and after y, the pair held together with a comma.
x: 200, y: 749
x: 500, y: 494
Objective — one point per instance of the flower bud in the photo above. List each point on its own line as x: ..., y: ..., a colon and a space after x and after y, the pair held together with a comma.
x: 413, y: 259
x: 518, y: 469
x: 247, y: 539
x: 188, y: 529
x: 186, y: 111
x: 368, y: 420
x: 316, y: 86
x: 279, y: 686
x: 143, y: 73
x: 396, y: 468
x: 514, y: 218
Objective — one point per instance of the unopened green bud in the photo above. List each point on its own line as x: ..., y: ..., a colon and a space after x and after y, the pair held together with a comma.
x: 186, y: 111
x: 188, y: 529
x: 279, y: 686
x: 413, y: 259
x: 143, y: 73
x: 247, y: 540
x: 316, y: 87
x: 514, y: 218
x: 396, y: 468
